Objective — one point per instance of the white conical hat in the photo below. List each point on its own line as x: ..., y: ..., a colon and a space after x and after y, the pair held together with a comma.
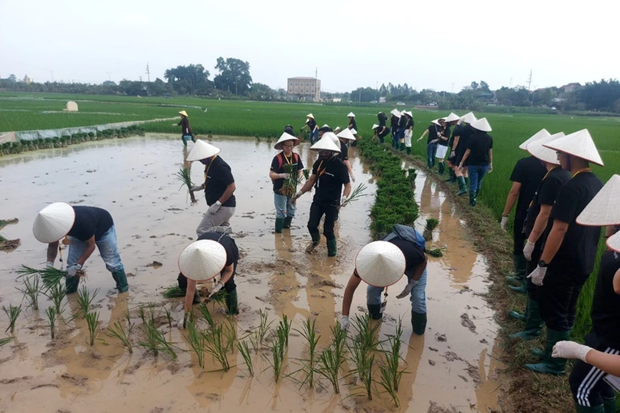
x: 436, y: 122
x: 202, y: 260
x: 326, y: 143
x: 184, y: 113
x: 613, y: 242
x: 395, y: 112
x: 351, y: 115
x: 202, y: 150
x: 374, y: 126
x: 53, y: 222
x: 538, y: 135
x: 286, y: 137
x: 579, y: 144
x: 452, y: 117
x: 538, y: 150
x: 482, y: 125
x: 604, y: 209
x: 310, y: 115
x: 353, y: 131
x: 467, y: 118
x: 346, y: 134
x: 380, y: 263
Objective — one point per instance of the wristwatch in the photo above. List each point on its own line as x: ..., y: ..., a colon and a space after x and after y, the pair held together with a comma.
x: 542, y: 264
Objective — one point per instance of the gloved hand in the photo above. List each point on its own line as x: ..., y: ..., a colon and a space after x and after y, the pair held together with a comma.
x: 452, y: 154
x: 460, y: 165
x: 490, y: 168
x: 352, y: 178
x: 538, y: 275
x: 49, y: 264
x: 71, y: 271
x: 216, y: 288
x: 344, y: 323
x: 215, y: 207
x: 297, y: 195
x: 181, y: 322
x: 196, y: 188
x: 284, y: 176
x: 434, y: 140
x: 175, y: 124
x: 570, y: 350
x: 420, y: 138
x: 408, y: 289
x: 504, y: 224
x: 528, y: 249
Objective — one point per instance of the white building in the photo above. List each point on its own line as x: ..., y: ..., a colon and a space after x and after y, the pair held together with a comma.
x: 304, y: 88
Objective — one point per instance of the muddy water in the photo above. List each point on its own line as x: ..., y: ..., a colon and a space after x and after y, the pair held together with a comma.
x: 453, y: 365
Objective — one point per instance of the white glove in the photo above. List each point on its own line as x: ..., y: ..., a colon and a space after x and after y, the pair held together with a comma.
x: 460, y: 165
x: 352, y: 178
x: 216, y: 288
x: 570, y: 350
x: 215, y: 207
x: 420, y: 138
x: 452, y: 154
x: 538, y: 275
x: 527, y: 250
x: 71, y: 271
x: 284, y: 176
x: 344, y: 323
x: 181, y: 322
x: 175, y: 124
x: 490, y: 168
x: 197, y: 188
x: 504, y: 223
x: 298, y: 194
x: 49, y: 264
x: 407, y: 289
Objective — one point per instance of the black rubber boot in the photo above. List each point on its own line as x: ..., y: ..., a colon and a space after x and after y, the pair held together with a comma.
x: 601, y: 408
x: 374, y: 310
x: 402, y: 147
x: 332, y: 247
x: 232, y: 303
x: 452, y: 177
x: 462, y: 186
x: 418, y: 322
x: 121, y: 281
x: 316, y: 238
x: 533, y: 323
x: 472, y: 198
x: 408, y: 150
x: 517, y: 278
x: 287, y: 222
x: 550, y: 365
x: 441, y: 168
x: 71, y: 284
x: 279, y: 225
x: 609, y: 405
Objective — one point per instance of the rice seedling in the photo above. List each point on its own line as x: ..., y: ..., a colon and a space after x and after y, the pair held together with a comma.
x: 141, y: 313
x: 277, y: 352
x: 155, y: 341
x: 392, y: 356
x: 52, y: 316
x: 289, y: 187
x: 185, y: 176
x: 230, y: 332
x: 31, y: 290
x: 308, y: 332
x: 332, y: 358
x: 306, y: 173
x: 85, y: 299
x: 118, y: 332
x: 57, y: 294
x: 50, y: 276
x: 284, y: 327
x: 363, y: 360
x: 387, y: 383
x: 173, y: 292
x: 197, y: 342
x: 12, y: 313
x: 355, y: 194
x: 6, y: 340
x: 257, y: 338
x: 168, y: 315
x: 244, y: 350
x: 434, y: 252
x: 92, y: 320
x: 204, y: 310
x: 366, y: 333
x: 215, y: 345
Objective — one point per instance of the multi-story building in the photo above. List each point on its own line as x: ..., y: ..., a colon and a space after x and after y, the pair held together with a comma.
x: 304, y: 88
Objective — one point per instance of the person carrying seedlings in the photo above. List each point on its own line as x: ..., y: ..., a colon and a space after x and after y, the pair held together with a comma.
x: 343, y: 137
x: 329, y: 175
x: 186, y: 130
x: 526, y: 177
x: 381, y: 264
x: 569, y: 252
x: 431, y: 142
x: 394, y: 119
x: 536, y: 228
x: 87, y: 228
x: 459, y: 146
x: 408, y: 131
x: 219, y: 186
x: 352, y: 123
x: 313, y: 128
x: 382, y: 130
x: 286, y: 170
x: 478, y: 157
x: 213, y: 253
x: 442, y: 143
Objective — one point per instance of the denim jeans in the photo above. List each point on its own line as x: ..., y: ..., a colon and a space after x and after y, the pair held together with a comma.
x: 314, y: 136
x: 107, y: 246
x: 417, y: 297
x: 476, y: 173
x: 431, y: 151
x: 284, y: 206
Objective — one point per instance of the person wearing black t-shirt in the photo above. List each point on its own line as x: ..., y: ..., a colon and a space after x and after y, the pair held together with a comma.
x: 431, y: 142
x: 352, y: 123
x: 329, y: 175
x: 313, y: 128
x: 186, y: 130
x: 86, y: 228
x: 409, y: 131
x: 283, y: 166
x: 382, y: 130
x: 569, y: 252
x: 394, y: 120
x: 442, y: 142
x: 400, y: 134
x: 478, y: 157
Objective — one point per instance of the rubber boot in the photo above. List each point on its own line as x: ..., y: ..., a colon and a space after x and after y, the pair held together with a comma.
x: 71, y: 284
x: 232, y: 303
x: 374, y: 310
x: 521, y: 289
x: 550, y: 365
x: 601, y: 408
x: 332, y: 247
x: 519, y: 273
x: 462, y: 186
x: 287, y: 222
x: 418, y: 322
x: 408, y: 150
x: 609, y: 405
x: 196, y: 299
x: 441, y: 168
x: 472, y: 198
x: 533, y: 323
x: 279, y: 225
x: 520, y: 263
x: 121, y: 281
x: 452, y: 177
x: 316, y: 238
x: 520, y: 316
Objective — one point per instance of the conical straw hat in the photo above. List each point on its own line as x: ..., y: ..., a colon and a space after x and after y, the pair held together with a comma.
x: 184, y: 113
x: 351, y: 115
x: 578, y: 144
x: 202, y: 260
x: 53, y: 222
x: 326, y: 143
x: 374, y: 126
x: 467, y: 118
x: 346, y: 134
x: 202, y: 150
x: 604, y: 209
x: 452, y: 117
x: 613, y: 242
x: 310, y: 115
x: 380, y: 263
x: 395, y: 112
x: 286, y: 137
x: 482, y: 125
x: 436, y: 122
x: 538, y: 135
x: 537, y: 150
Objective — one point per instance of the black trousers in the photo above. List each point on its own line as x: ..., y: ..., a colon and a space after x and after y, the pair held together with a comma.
x: 558, y: 296
x: 230, y: 285
x: 532, y: 289
x: 519, y: 237
x: 317, y: 210
x: 586, y: 381
x: 383, y: 134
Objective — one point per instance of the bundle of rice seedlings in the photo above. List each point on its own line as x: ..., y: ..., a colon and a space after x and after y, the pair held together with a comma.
x: 284, y: 328
x: 185, y: 176
x: 118, y: 332
x: 50, y: 276
x: 92, y: 320
x: 355, y: 194
x: 12, y: 313
x: 173, y: 292
x: 435, y: 252
x: 333, y: 357
x: 363, y: 360
x: 289, y: 187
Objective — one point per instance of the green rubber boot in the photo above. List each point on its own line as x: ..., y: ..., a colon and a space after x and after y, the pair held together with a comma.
x: 550, y: 365
x: 452, y: 177
x: 517, y: 278
x: 441, y: 168
x: 418, y: 322
x: 609, y: 405
x: 533, y: 323
x: 316, y: 238
x: 374, y: 310
x: 121, y: 281
x: 287, y: 222
x: 520, y: 316
x: 462, y: 186
x: 519, y: 263
x: 279, y: 225
x: 601, y: 408
x: 472, y: 198
x: 71, y: 284
x: 232, y: 303
x: 408, y: 150
x: 332, y: 247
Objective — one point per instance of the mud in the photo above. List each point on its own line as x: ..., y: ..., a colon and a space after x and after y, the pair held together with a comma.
x: 135, y: 180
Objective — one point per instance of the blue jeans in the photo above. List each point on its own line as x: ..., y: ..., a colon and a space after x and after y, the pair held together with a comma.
x: 107, y: 246
x: 284, y: 206
x: 431, y: 151
x: 417, y: 297
x: 314, y: 136
x: 476, y: 173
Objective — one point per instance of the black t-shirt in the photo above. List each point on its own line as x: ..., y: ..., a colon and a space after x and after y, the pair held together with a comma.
x: 529, y: 172
x: 353, y: 124
x: 433, y: 133
x: 187, y: 130
x: 578, y: 249
x: 218, y: 177
x: 402, y: 122
x: 464, y: 133
x: 89, y: 222
x: 382, y: 120
x: 311, y: 124
x: 278, y: 165
x: 606, y: 304
x: 414, y: 255
x: 410, y: 123
x: 331, y: 176
x: 232, y: 252
x: 546, y: 194
x: 394, y: 121
x: 479, y: 144
x: 446, y: 135
x: 344, y: 152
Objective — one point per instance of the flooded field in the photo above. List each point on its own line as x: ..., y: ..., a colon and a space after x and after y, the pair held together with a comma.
x: 453, y: 368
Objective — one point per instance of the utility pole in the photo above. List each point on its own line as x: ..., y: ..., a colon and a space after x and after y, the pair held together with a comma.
x: 377, y: 89
x: 109, y: 76
x: 52, y: 72
x: 148, y: 72
x: 140, y: 78
x: 529, y: 81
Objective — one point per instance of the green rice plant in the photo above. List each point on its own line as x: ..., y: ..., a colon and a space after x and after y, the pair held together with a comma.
x: 12, y: 313
x: 387, y: 383
x: 230, y: 333
x: 50, y: 276
x: 173, y: 292
x: 363, y: 360
x: 284, y: 327
x: 355, y: 194
x: 57, y: 294
x: 31, y: 290
x: 168, y: 315
x: 216, y: 346
x: 258, y: 336
x: 118, y: 332
x: 142, y: 313
x: 197, y: 342
x: 244, y: 350
x: 332, y: 358
x: 277, y: 352
x: 52, y: 316
x: 431, y: 224
x: 392, y: 356
x: 85, y: 299
x: 156, y: 342
x: 309, y: 364
x: 204, y: 310
x: 306, y: 173
x: 366, y: 332
x: 6, y: 340
x: 434, y: 252
x: 185, y: 176
x: 92, y: 320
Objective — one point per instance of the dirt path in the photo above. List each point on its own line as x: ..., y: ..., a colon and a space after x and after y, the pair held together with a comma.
x: 452, y: 368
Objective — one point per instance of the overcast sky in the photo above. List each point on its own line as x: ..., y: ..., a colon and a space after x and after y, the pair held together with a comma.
x: 440, y: 45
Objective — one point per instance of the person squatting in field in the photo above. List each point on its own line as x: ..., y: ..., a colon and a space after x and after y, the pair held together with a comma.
x: 433, y: 132
x: 86, y: 228
x: 459, y: 146
x: 286, y: 170
x: 219, y: 186
x: 478, y: 157
x: 381, y: 264
x: 186, y: 130
x: 382, y: 130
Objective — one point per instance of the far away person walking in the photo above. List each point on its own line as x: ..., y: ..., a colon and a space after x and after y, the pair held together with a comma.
x: 478, y: 157
x: 186, y: 130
